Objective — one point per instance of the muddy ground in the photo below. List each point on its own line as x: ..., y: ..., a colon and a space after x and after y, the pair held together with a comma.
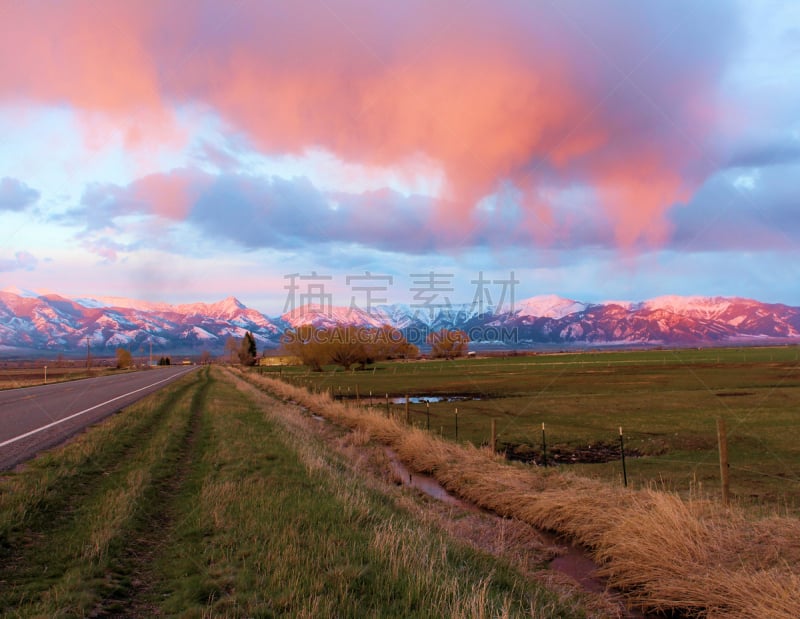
x: 596, y: 453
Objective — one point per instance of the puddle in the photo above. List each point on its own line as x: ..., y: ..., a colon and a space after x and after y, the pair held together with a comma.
x: 432, y: 399
x: 425, y: 483
x: 574, y: 563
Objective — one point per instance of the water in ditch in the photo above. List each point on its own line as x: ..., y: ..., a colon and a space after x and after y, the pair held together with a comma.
x: 572, y: 560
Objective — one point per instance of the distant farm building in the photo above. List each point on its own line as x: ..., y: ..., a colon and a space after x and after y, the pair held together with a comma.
x: 279, y: 360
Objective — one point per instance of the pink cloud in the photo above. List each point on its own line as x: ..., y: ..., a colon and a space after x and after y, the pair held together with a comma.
x: 169, y: 195
x: 494, y: 92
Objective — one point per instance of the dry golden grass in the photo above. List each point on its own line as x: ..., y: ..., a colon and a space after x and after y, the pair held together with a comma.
x: 666, y: 553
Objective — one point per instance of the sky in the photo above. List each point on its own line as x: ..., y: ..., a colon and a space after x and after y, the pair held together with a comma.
x: 382, y: 152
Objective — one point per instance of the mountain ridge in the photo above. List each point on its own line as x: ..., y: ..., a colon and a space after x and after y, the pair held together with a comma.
x: 50, y: 322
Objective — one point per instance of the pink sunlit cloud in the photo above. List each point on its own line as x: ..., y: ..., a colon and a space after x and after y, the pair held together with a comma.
x: 491, y: 93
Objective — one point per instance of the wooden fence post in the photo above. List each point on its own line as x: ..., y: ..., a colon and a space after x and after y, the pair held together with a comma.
x: 493, y: 442
x: 544, y: 447
x: 722, y: 439
x: 408, y: 414
x: 622, y: 453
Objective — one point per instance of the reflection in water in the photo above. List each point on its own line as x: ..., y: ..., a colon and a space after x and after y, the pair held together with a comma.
x: 572, y: 560
x: 421, y: 399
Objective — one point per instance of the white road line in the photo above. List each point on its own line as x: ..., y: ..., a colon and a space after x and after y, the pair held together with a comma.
x: 119, y: 397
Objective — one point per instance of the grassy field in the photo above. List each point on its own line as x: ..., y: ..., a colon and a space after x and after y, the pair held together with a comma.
x: 667, y: 403
x: 693, y: 557
x: 16, y: 377
x: 199, y: 502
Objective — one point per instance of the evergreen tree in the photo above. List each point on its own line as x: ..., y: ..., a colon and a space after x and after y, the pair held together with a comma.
x: 247, y: 350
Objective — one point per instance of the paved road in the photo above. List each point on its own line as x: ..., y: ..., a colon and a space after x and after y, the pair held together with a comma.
x: 37, y: 418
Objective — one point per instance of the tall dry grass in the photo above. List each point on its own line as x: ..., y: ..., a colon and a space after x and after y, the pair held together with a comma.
x: 666, y: 553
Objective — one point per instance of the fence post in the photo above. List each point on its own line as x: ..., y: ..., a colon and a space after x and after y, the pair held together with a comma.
x: 428, y: 414
x: 408, y: 414
x: 358, y: 396
x: 494, y: 436
x: 544, y: 447
x: 388, y: 414
x: 722, y: 439
x: 622, y: 453
x: 456, y: 424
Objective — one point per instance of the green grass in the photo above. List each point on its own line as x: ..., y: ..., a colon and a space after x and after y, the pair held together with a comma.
x: 316, y: 542
x: 200, y: 502
x: 66, y: 516
x: 666, y: 401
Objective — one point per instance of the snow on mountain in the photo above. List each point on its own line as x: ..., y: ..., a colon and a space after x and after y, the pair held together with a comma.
x: 55, y: 323
x: 705, y: 307
x: 329, y: 317
x: 199, y: 333
x: 421, y: 317
x: 21, y: 292
x: 225, y: 308
x: 50, y: 322
x: 123, y: 302
x: 547, y: 306
x: 628, y: 305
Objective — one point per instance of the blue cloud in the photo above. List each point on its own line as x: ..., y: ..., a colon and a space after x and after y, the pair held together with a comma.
x: 16, y: 195
x: 752, y: 209
x: 22, y: 261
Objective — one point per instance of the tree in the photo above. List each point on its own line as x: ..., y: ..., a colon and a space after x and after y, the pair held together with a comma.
x: 305, y: 343
x: 345, y: 346
x: 231, y: 347
x: 124, y: 358
x: 390, y: 343
x: 205, y: 357
x: 448, y: 344
x: 247, y: 350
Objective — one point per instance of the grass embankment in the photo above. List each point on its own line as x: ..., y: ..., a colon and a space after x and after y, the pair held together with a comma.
x: 67, y: 517
x: 197, y: 502
x: 667, y: 402
x: 666, y: 553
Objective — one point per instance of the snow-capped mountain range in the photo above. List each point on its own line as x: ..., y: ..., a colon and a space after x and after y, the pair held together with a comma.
x: 32, y: 323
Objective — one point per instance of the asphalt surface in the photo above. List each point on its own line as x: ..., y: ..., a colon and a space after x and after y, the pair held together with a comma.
x: 33, y: 419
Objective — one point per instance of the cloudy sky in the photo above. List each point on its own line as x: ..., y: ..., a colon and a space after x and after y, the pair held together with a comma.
x: 187, y: 151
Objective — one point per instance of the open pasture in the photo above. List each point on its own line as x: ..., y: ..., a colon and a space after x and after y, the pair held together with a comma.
x: 666, y: 401
x: 16, y: 375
